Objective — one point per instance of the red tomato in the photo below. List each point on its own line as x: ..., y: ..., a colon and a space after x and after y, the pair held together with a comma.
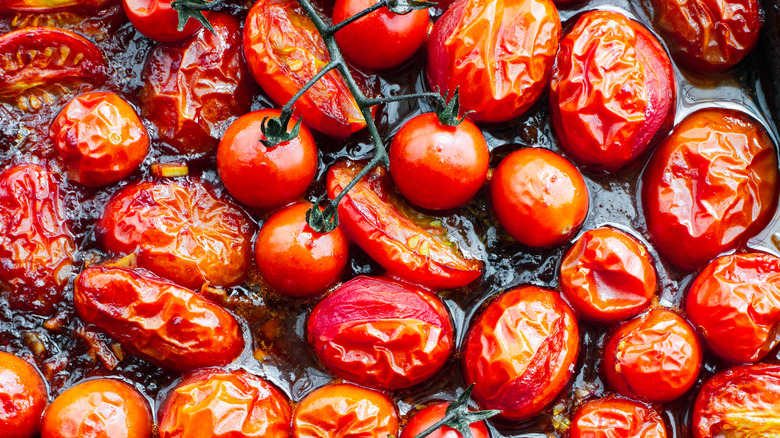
x: 607, y: 276
x: 49, y: 5
x: 213, y: 403
x: 427, y: 417
x: 263, y: 177
x: 499, y: 54
x: 709, y: 186
x: 735, y: 303
x: 296, y: 260
x: 23, y: 397
x: 539, y: 197
x: 402, y: 247
x: 438, y: 167
x: 156, y: 19
x: 613, y: 417
x: 105, y: 408
x: 520, y: 352
x: 612, y: 91
x: 381, y: 333
x: 100, y: 138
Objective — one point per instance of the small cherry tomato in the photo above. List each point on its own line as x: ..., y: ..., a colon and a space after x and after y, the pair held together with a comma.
x: 156, y: 19
x: 264, y: 177
x: 105, y: 408
x: 711, y: 185
x: 438, y: 167
x: 23, y: 397
x: 427, y: 417
x: 520, y: 352
x: 213, y: 403
x: 607, y: 276
x: 614, y: 417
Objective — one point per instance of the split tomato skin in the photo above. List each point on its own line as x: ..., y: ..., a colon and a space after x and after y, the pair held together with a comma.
x: 156, y: 19
x: 614, y: 417
x: 429, y: 416
x: 24, y: 397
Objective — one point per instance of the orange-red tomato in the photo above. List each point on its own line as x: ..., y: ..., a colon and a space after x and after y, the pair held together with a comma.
x: 49, y: 5
x: 23, y: 397
x: 156, y: 19
x: 613, y: 417
x: 520, y: 352
x: 612, y: 91
x: 711, y: 185
x: 427, y: 417
x: 381, y: 333
x: 607, y: 276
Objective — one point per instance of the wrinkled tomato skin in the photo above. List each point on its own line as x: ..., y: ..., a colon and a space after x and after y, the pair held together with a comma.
x: 23, y: 397
x: 520, y: 352
x: 735, y: 304
x: 607, y: 276
x: 393, y: 240
x: 438, y: 167
x: 499, y: 53
x: 347, y: 411
x: 612, y: 91
x: 100, y: 138
x: 106, y: 408
x: 171, y: 326
x: 709, y: 186
x: 381, y: 333
x: 156, y: 19
x: 263, y: 177
x: 215, y: 403
x: 181, y: 231
x: 614, y: 417
x: 50, y: 5
x: 38, y: 250
x: 192, y: 87
x: 656, y: 356
x: 429, y: 416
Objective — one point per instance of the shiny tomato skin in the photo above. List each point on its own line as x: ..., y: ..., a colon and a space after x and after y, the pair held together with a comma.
x: 438, y: 167
x: 709, y: 186
x: 612, y: 91
x: 381, y: 333
x: 156, y: 19
x: 49, y: 5
x: 215, y: 403
x: 735, y: 304
x: 23, y: 397
x: 263, y: 177
x: 607, y: 276
x: 613, y: 417
x: 105, y: 408
x: 427, y: 417
x: 520, y: 352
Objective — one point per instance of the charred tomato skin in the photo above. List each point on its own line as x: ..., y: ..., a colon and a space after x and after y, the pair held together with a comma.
x: 427, y: 417
x: 614, y: 417
x: 156, y: 19
x: 24, y: 397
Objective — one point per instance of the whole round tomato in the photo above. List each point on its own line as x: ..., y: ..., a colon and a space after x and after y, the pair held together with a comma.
x: 539, y: 197
x: 520, y: 352
x: 711, y: 185
x: 23, y: 397
x: 613, y: 417
x: 735, y: 303
x: 296, y: 260
x: 264, y: 177
x: 156, y: 19
x: 612, y: 91
x: 106, y: 408
x: 607, y: 276
x: 427, y: 417
x: 438, y: 167
x: 656, y: 357
x: 215, y: 403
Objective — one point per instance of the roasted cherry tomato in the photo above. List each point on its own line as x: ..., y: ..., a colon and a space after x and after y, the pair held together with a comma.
x: 498, y: 53
x: 427, y: 417
x: 614, y: 417
x: 193, y: 87
x: 156, y: 19
x: 105, y: 408
x: 37, y: 251
x: 612, y: 91
x: 264, y: 177
x: 402, y: 247
x: 520, y: 352
x: 100, y: 138
x: 607, y: 276
x: 709, y: 186
x: 181, y: 231
x: 438, y: 167
x: 345, y: 411
x: 214, y: 403
x: 49, y: 5
x: 656, y: 357
x: 159, y: 321
x: 23, y: 397
x: 735, y: 304
x: 381, y: 333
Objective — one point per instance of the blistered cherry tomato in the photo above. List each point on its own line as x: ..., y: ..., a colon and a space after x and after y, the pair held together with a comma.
x: 613, y: 417
x: 429, y: 416
x: 520, y: 352
x: 438, y: 167
x: 105, y: 408
x: 612, y: 91
x: 213, y: 403
x: 709, y: 186
x: 156, y: 19
x: 23, y: 397
x: 49, y: 5
x: 263, y: 177
x: 607, y: 276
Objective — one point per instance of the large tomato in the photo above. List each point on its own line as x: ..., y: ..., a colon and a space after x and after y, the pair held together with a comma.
x: 156, y: 19
x: 613, y: 417
x: 23, y: 397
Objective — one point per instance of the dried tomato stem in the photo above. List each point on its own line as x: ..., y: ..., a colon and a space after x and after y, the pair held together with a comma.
x: 287, y: 108
x: 459, y: 417
x: 337, y: 27
x: 386, y: 99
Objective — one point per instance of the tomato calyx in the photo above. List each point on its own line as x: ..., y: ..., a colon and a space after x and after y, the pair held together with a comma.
x: 274, y: 129
x: 447, y: 111
x: 459, y: 417
x: 194, y: 9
